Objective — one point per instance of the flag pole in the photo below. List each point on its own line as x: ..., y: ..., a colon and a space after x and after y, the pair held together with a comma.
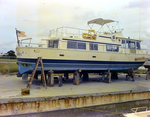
x: 17, y: 37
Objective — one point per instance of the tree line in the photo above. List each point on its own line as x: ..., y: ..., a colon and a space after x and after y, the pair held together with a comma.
x: 10, y: 54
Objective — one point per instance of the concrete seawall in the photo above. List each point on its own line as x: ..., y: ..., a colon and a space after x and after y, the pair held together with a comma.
x: 33, y: 105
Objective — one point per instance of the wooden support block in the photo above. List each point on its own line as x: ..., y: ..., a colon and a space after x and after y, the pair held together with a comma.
x: 45, y: 77
x: 131, y: 74
x: 126, y: 77
x: 148, y: 74
x: 60, y: 81
x: 66, y: 75
x: 109, y: 77
x: 76, y: 80
x: 25, y: 91
x: 103, y: 78
x: 51, y: 78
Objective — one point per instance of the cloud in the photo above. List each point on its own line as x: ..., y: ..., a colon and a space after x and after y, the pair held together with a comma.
x: 145, y: 36
x: 138, y: 3
x: 37, y: 17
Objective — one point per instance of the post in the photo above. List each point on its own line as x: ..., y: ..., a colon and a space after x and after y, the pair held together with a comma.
x: 60, y: 81
x: 109, y: 73
x: 133, y: 74
x: 8, y: 63
x: 43, y: 74
x: 147, y: 75
x: 103, y: 78
x: 17, y: 37
x: 76, y: 80
x: 51, y: 78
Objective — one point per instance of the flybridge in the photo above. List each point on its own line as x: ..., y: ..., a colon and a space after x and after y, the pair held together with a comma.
x: 90, y: 33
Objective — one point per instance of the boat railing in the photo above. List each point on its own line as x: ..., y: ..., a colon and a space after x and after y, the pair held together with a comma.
x: 67, y: 32
x: 27, y: 43
x: 135, y: 110
x: 101, y: 31
x: 102, y: 48
x: 79, y: 33
x: 145, y: 51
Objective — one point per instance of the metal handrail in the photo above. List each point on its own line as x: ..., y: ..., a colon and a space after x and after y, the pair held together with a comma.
x: 65, y: 31
x: 34, y: 43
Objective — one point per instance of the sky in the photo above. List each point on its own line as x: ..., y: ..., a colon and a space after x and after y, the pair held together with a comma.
x: 37, y: 17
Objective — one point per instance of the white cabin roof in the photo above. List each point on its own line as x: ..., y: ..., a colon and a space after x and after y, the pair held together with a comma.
x: 100, y: 21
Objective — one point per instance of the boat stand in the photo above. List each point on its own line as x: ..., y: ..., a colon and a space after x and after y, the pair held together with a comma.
x: 27, y: 90
x: 108, y: 76
x: 131, y: 74
x: 148, y: 74
x: 50, y: 81
x: 76, y: 77
x: 60, y: 79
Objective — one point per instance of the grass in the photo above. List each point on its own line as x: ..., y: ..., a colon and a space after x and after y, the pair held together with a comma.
x: 8, y: 60
x: 12, y: 68
x: 4, y: 65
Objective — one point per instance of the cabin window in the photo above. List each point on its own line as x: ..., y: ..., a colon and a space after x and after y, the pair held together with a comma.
x: 81, y: 45
x: 127, y: 44
x: 112, y: 48
x: 93, y: 46
x: 72, y: 44
x: 123, y: 44
x: 132, y: 45
x: 76, y: 45
x: 138, y: 45
x: 53, y: 44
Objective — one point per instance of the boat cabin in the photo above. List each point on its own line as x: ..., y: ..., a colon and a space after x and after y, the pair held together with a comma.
x: 91, y: 40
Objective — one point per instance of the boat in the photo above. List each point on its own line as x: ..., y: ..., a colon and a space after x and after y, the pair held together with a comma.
x: 67, y: 49
x: 138, y: 112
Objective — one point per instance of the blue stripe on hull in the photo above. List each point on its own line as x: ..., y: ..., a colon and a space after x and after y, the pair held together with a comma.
x: 26, y: 65
x: 76, y: 61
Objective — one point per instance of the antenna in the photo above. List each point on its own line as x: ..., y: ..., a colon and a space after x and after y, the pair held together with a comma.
x: 140, y: 24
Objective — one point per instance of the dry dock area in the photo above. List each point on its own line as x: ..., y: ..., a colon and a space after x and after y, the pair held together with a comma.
x: 88, y: 93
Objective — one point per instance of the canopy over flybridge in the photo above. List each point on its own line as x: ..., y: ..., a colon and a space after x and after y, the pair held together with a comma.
x: 100, y: 21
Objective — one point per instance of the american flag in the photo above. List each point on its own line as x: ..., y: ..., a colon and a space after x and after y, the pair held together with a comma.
x: 20, y: 33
